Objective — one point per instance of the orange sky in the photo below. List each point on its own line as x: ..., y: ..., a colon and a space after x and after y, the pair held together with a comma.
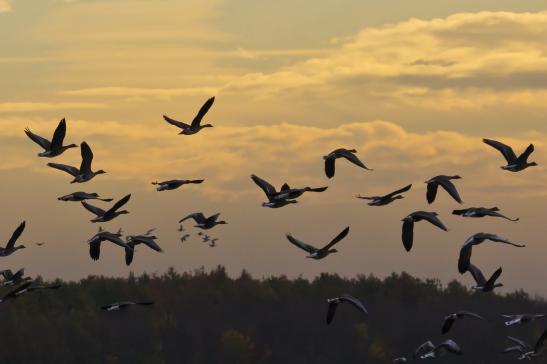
x: 413, y: 87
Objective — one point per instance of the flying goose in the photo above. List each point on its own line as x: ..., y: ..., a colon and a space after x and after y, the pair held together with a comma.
x: 450, y: 319
x: 195, y: 126
x: 386, y: 199
x: 521, y: 319
x: 527, y: 351
x: 10, y: 246
x: 334, y: 302
x: 102, y: 215
x: 426, y: 347
x: 213, y: 242
x: 443, y: 181
x: 145, y: 239
x: 181, y: 228
x: 286, y: 195
x: 482, y: 284
x: 96, y: 240
x: 84, y: 173
x: 476, y: 239
x: 55, y: 147
x: 341, y: 153
x: 446, y: 347
x: 82, y: 196
x: 11, y: 278
x: 175, y: 183
x: 315, y: 253
x: 514, y: 163
x: 205, y: 238
x: 184, y: 237
x: 40, y: 244
x: 202, y: 222
x: 116, y: 306
x: 400, y: 359
x: 481, y: 212
x: 521, y: 346
x: 408, y: 225
x: 15, y: 292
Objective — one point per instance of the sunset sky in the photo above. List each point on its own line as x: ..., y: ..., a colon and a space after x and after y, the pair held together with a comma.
x: 412, y: 85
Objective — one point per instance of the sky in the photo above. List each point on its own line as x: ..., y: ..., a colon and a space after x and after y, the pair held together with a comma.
x: 412, y: 85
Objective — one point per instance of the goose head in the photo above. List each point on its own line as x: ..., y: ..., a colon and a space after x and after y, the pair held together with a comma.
x: 100, y: 171
x: 19, y: 247
x: 69, y: 146
x: 531, y: 164
x: 207, y: 126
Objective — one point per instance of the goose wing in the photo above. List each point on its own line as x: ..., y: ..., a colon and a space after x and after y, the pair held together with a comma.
x: 408, y: 234
x: 116, y: 240
x: 494, y: 277
x: 94, y: 209
x: 150, y: 243
x: 7, y: 274
x: 87, y: 157
x: 450, y: 346
x: 43, y: 142
x: 329, y: 167
x: 424, y: 348
x: 465, y: 258
x: 447, y: 325
x: 285, y: 187
x: 309, y: 248
x: 119, y: 204
x: 451, y: 189
x: 268, y: 189
x: 174, y: 122
x: 59, y: 135
x: 352, y: 158
x: 95, y: 250
x: 504, y: 149
x: 202, y: 111
x: 469, y: 314
x: 394, y: 193
x: 338, y: 237
x: 524, y: 156
x: 16, y: 234
x: 541, y: 341
x: 331, y: 311
x: 197, y: 216
x: 129, y: 255
x: 513, y: 349
x: 477, y: 275
x: 499, y: 239
x: 213, y: 218
x: 73, y: 171
x: 431, y: 191
x: 519, y: 342
x: 355, y: 302
x: 433, y: 219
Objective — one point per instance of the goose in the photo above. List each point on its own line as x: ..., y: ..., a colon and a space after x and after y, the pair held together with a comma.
x: 444, y: 348
x: 527, y: 351
x: 514, y: 163
x: 175, y: 183
x: 10, y: 247
x: 205, y: 238
x: 40, y: 244
x: 55, y: 147
x: 482, y: 212
x: 31, y: 288
x: 482, y: 284
x: 346, y: 298
x: 11, y: 278
x: 408, y: 225
x: 386, y: 199
x: 476, y: 239
x: 426, y: 347
x: 102, y: 215
x: 445, y: 182
x: 116, y: 306
x: 84, y: 173
x: 181, y: 228
x: 96, y: 240
x: 521, y: 319
x: 286, y: 194
x: 213, y: 242
x: 450, y: 319
x: 315, y: 253
x: 341, y: 153
x: 521, y: 346
x: 15, y: 292
x: 202, y: 222
x: 82, y: 196
x: 184, y: 237
x: 195, y: 126
x: 145, y: 239
x: 400, y: 359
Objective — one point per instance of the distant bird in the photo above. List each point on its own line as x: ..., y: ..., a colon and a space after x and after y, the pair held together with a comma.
x: 341, y: 153
x: 82, y: 196
x: 175, y: 183
x: 481, y: 212
x: 450, y: 319
x: 84, y: 173
x: 116, y: 306
x: 514, y: 163
x: 15, y: 292
x: 444, y: 348
x: 181, y: 228
x: 445, y: 182
x: 286, y: 195
x: 521, y: 346
x: 522, y: 319
x: 195, y: 126
x: 346, y: 298
x: 10, y: 246
x: 426, y: 347
x: 213, y: 242
x: 476, y: 239
x: 408, y: 225
x: 184, y: 237
x: 40, y: 244
x: 206, y: 238
x: 11, y: 278
x: 202, y: 222
x: 483, y: 284
x: 400, y: 359
x: 386, y: 199
x: 55, y: 147
x: 145, y: 239
x: 96, y: 240
x: 102, y: 215
x: 527, y: 351
x: 315, y: 253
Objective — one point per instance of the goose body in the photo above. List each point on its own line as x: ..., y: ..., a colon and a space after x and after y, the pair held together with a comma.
x: 314, y: 252
x: 514, y: 163
x: 465, y: 252
x: 54, y: 147
x: 408, y: 226
x: 82, y: 196
x: 175, y: 183
x: 386, y: 199
x: 195, y: 126
x: 348, y: 154
x: 102, y: 215
x: 346, y: 298
x: 286, y: 195
x: 478, y: 212
x: 10, y: 247
x: 203, y: 222
x: 84, y: 173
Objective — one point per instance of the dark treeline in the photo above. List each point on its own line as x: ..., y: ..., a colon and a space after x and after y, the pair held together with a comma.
x: 210, y: 318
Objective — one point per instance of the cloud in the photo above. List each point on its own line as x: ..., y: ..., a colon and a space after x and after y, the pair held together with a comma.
x: 5, y: 6
x: 15, y: 107
x: 159, y: 93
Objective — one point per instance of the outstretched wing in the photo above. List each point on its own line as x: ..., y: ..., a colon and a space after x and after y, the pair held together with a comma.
x: 494, y: 277
x: 202, y: 111
x: 433, y: 219
x: 310, y: 249
x: 469, y: 314
x: 431, y: 191
x: 44, y: 143
x: 174, y: 122
x: 129, y: 255
x: 339, y: 237
x: 524, y: 156
x: 87, y: 157
x: 16, y: 234
x: 59, y: 135
x: 94, y: 209
x: 408, y: 234
x: 448, y: 322
x: 268, y: 189
x: 465, y: 258
x: 355, y: 302
x: 477, y: 275
x: 73, y: 171
x: 95, y: 250
x: 331, y: 311
x: 451, y: 189
x: 352, y: 158
x: 506, y: 150
x: 197, y: 216
x: 394, y: 193
x: 499, y: 239
x: 541, y: 341
x: 120, y: 203
x: 329, y: 167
